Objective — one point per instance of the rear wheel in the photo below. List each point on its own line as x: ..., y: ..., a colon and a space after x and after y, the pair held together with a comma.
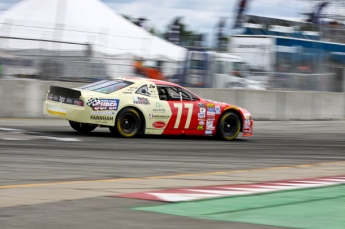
x: 229, y: 126
x: 127, y: 124
x: 82, y: 127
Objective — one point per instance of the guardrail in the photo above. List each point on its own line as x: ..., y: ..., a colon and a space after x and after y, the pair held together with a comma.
x: 24, y: 99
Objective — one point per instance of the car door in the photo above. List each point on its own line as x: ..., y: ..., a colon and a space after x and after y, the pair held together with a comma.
x: 188, y: 112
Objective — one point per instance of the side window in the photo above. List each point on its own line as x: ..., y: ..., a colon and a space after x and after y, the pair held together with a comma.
x: 143, y: 90
x: 174, y: 94
x: 236, y: 69
x: 186, y: 95
x: 162, y: 93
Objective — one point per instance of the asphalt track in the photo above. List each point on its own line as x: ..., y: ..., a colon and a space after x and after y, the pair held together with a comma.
x: 47, y: 151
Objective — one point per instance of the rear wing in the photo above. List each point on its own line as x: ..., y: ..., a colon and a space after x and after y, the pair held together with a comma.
x: 65, y: 92
x: 65, y: 95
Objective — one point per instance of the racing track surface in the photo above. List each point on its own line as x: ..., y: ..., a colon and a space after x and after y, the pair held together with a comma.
x: 49, y: 151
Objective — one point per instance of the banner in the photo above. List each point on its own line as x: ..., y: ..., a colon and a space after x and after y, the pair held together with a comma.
x: 174, y: 32
x: 220, y: 32
x: 315, y: 16
x: 242, y: 6
x: 140, y: 22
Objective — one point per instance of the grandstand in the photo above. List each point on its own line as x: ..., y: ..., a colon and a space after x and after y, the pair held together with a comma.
x: 259, y: 25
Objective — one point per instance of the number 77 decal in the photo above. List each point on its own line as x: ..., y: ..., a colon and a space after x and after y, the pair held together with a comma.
x: 189, y: 106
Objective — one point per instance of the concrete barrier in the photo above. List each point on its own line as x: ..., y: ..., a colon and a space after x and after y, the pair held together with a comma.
x: 24, y: 99
x: 281, y: 105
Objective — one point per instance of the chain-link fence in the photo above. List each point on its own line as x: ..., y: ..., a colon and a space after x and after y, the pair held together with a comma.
x: 66, y: 61
x: 293, y: 64
x: 307, y: 70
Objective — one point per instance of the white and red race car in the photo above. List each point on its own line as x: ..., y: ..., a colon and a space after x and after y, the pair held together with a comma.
x: 130, y: 106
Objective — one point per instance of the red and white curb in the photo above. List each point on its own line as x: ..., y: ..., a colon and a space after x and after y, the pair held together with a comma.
x: 207, y: 192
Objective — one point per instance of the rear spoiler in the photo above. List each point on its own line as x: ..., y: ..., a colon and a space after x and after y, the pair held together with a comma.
x: 65, y: 92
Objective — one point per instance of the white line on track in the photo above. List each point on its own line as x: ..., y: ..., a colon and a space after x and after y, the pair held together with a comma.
x: 9, y: 134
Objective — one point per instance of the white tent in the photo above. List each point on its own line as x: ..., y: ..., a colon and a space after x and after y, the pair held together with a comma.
x: 81, y: 22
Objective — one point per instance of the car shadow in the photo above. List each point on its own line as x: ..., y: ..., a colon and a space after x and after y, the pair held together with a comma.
x: 105, y: 134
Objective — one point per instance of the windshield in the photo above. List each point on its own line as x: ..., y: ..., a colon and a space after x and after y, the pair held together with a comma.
x: 106, y: 86
x: 197, y: 64
x: 241, y: 68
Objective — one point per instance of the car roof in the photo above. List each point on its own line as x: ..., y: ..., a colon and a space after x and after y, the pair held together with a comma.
x: 157, y: 82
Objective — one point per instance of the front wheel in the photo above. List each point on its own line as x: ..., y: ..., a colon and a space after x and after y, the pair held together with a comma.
x: 127, y: 124
x: 229, y: 126
x: 82, y: 127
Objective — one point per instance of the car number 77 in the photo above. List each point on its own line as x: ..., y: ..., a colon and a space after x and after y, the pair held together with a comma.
x: 189, y: 106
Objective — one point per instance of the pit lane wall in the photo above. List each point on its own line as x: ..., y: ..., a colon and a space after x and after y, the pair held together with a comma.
x: 24, y: 99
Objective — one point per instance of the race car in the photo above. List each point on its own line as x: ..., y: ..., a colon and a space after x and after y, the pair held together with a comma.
x: 130, y: 106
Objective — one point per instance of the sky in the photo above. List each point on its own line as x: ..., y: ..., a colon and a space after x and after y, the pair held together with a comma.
x: 200, y: 15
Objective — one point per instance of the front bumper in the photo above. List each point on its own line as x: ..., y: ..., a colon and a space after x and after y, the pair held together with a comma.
x: 247, y: 128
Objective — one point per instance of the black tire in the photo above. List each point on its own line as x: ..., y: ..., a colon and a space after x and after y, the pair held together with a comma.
x: 128, y: 123
x: 82, y: 127
x: 229, y: 126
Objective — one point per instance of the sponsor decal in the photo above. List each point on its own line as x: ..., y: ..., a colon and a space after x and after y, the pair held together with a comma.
x: 201, y: 105
x: 200, y: 128
x: 127, y: 92
x: 209, y: 124
x: 209, y: 105
x: 159, y: 110
x: 103, y: 104
x: 208, y: 132
x: 246, y: 116
x: 57, y: 111
x: 141, y: 100
x: 102, y: 118
x: 247, y: 132
x: 211, y: 114
x: 202, y: 110
x: 103, y: 112
x: 201, y: 115
x: 217, y: 109
x: 158, y: 124
x: 231, y: 107
x: 201, y: 123
x: 209, y: 121
x: 211, y: 109
x: 69, y: 100
x: 151, y: 116
x: 159, y: 107
x: 78, y: 102
x: 152, y: 86
x: 62, y: 99
x: 247, y: 121
x: 159, y: 104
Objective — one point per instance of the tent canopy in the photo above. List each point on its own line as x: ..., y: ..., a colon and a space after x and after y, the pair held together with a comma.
x: 83, y: 22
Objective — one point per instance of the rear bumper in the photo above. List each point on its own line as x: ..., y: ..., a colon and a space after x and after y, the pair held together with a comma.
x: 65, y: 111
x: 82, y: 114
